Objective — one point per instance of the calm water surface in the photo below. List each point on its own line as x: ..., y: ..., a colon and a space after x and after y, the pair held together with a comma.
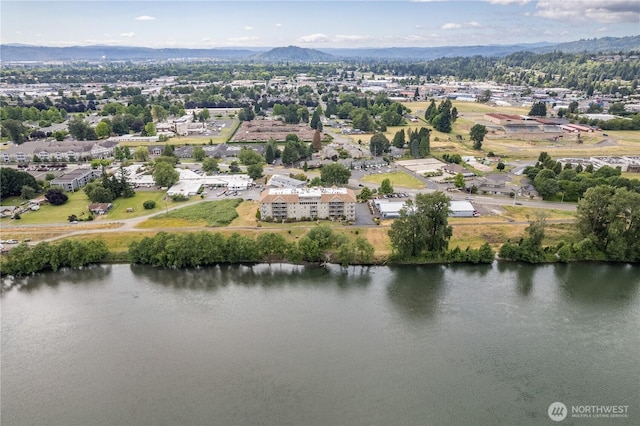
x: 282, y: 345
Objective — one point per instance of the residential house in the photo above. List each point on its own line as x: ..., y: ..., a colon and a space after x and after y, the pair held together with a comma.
x: 100, y: 208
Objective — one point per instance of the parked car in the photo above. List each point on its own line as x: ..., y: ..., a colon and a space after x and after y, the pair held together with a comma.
x: 12, y: 241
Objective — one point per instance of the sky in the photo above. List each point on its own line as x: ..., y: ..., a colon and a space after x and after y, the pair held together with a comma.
x: 313, y: 24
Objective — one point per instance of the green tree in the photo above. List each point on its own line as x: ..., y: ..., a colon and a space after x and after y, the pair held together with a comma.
x: 150, y: 129
x: 234, y: 167
x: 539, y: 109
x: 477, y: 134
x: 424, y: 147
x: 141, y: 153
x: 458, y: 181
x: 98, y: 193
x: 315, y: 118
x: 290, y: 154
x: 422, y: 227
x: 269, y: 154
x: 248, y: 156
x: 198, y: 153
x: 27, y: 192
x: 379, y: 144
x: 334, y: 174
x: 149, y: 205
x: 55, y: 197
x: 165, y: 175
x: 210, y: 165
x: 14, y: 130
x: 500, y: 166
x: 80, y: 129
x: 255, y: 171
x: 103, y: 130
x: 158, y: 113
x: 365, y: 194
x: 272, y: 246
x: 485, y: 96
x: 204, y: 115
x: 610, y: 217
x: 431, y: 112
x: 399, y: 139
x: 385, y: 187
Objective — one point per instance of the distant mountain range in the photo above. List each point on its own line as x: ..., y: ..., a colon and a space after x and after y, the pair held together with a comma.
x: 16, y: 52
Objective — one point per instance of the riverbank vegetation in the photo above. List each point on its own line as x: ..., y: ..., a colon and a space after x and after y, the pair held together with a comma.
x: 607, y: 228
x: 320, y: 244
x: 25, y: 260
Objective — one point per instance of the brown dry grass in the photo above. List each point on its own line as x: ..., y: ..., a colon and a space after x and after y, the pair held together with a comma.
x: 45, y: 232
x: 246, y: 214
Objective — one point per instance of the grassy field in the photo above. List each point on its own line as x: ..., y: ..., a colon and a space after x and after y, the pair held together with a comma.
x: 40, y: 233
x: 120, y: 205
x: 398, y: 179
x: 207, y: 213
x: 469, y: 113
x: 77, y: 204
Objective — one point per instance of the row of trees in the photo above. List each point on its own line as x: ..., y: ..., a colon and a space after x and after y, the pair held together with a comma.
x: 205, y: 248
x: 550, y: 178
x: 25, y: 260
x: 441, y: 117
x: 419, y: 142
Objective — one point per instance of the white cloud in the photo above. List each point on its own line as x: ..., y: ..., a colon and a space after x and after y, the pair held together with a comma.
x: 242, y: 39
x: 474, y: 24
x: 278, y: 25
x: 450, y: 26
x: 145, y: 18
x: 606, y: 11
x: 313, y: 38
x: 602, y: 29
x: 351, y: 37
x: 128, y: 35
x: 418, y: 27
x: 248, y: 28
x: 508, y: 2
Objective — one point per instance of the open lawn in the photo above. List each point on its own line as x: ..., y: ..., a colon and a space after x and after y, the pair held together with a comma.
x: 76, y: 204
x: 207, y: 213
x: 120, y: 205
x: 398, y: 179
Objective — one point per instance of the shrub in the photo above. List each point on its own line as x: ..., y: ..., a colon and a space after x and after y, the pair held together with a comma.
x: 179, y: 197
x: 149, y: 204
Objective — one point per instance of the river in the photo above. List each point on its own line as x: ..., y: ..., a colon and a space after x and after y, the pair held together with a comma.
x: 282, y: 344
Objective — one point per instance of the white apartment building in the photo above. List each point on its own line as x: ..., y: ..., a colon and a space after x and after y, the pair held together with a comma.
x: 315, y: 203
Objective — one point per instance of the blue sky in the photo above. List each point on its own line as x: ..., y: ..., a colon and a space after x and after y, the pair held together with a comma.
x: 314, y: 24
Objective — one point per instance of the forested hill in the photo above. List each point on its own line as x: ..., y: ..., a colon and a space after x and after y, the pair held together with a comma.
x: 294, y: 53
x: 12, y: 53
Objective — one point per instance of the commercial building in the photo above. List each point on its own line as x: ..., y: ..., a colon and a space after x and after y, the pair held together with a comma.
x: 299, y: 203
x: 282, y: 181
x: 75, y: 180
x: 461, y: 209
